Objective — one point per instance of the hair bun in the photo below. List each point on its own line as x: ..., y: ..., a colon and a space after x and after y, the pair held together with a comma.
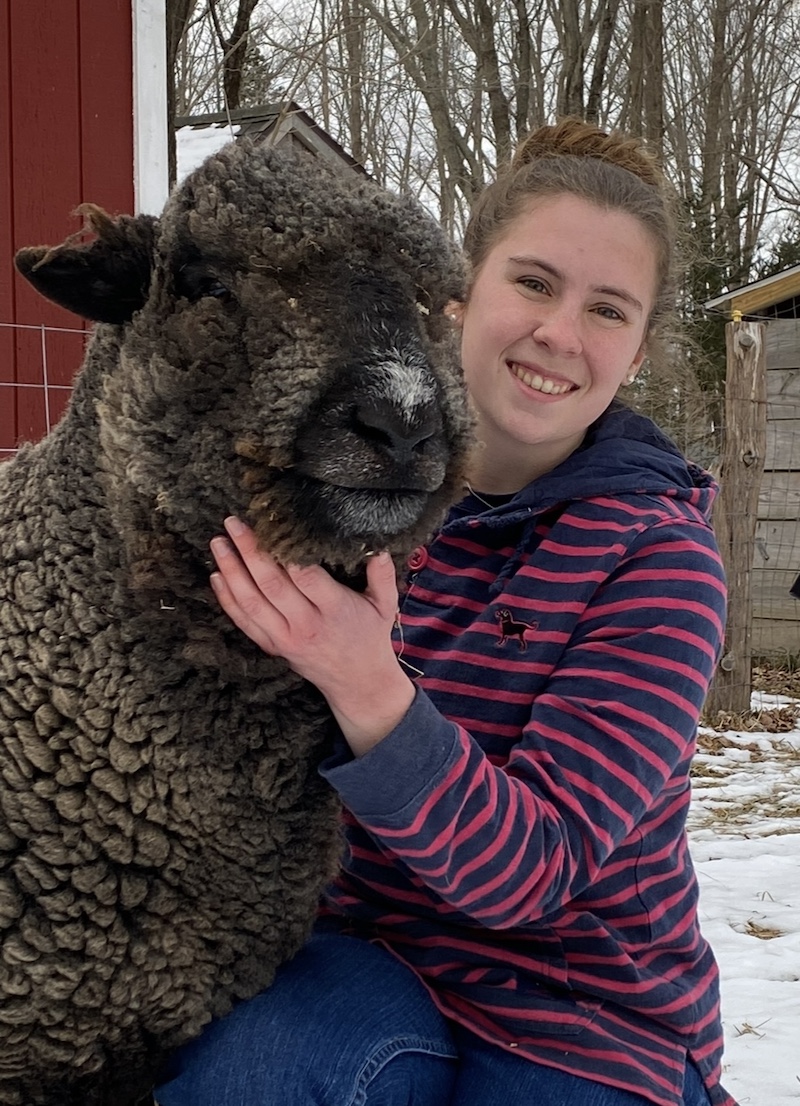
x: 572, y: 137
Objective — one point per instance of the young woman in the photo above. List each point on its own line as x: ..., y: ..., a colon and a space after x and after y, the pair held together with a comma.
x: 515, y: 920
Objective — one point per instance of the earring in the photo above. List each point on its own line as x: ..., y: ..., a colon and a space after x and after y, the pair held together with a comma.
x: 629, y: 379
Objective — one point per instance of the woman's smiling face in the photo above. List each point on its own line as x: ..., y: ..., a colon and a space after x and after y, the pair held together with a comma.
x: 555, y: 322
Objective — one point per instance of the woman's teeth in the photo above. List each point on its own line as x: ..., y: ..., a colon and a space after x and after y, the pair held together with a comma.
x: 538, y: 383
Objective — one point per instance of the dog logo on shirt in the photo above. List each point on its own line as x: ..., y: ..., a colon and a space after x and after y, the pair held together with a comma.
x: 512, y: 628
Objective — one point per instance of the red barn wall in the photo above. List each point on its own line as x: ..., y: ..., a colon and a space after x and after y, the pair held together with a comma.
x: 66, y: 136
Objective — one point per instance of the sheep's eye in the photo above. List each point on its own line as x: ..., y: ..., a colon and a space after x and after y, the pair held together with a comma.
x: 195, y: 283
x: 210, y: 286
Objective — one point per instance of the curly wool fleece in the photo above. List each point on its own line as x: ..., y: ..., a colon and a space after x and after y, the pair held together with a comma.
x: 164, y: 834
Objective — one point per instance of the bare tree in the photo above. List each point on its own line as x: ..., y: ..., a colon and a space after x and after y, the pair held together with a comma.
x: 233, y: 44
x: 573, y: 65
x: 732, y: 126
x: 597, y: 84
x: 230, y: 52
x: 432, y: 94
x: 644, y: 112
x: 179, y: 14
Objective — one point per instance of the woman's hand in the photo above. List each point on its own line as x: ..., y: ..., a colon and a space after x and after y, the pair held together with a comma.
x: 337, y: 638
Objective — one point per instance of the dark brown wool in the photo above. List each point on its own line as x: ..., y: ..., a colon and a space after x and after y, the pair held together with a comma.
x: 272, y: 346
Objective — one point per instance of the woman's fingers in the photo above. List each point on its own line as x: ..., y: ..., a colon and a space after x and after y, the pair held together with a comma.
x: 261, y: 575
x: 318, y: 586
x: 254, y: 627
x: 382, y: 585
x: 261, y: 569
x: 245, y: 591
x: 302, y: 613
x: 262, y: 597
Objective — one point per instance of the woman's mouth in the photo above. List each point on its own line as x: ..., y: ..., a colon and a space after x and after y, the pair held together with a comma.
x: 539, y: 383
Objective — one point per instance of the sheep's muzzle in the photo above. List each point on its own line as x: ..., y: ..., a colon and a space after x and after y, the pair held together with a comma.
x: 375, y: 449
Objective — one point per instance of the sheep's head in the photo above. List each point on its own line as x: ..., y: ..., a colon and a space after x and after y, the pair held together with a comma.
x: 283, y: 354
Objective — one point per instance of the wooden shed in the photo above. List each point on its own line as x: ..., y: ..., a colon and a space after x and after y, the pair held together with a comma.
x: 775, y: 301
x: 278, y: 124
x: 82, y: 117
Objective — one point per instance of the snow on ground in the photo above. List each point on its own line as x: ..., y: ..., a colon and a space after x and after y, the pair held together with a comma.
x: 744, y: 829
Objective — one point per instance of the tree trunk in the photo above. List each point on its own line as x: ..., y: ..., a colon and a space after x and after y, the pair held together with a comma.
x: 179, y: 13
x: 714, y: 140
x: 523, y: 64
x: 736, y: 509
x: 654, y: 76
x: 570, y: 90
x: 489, y: 77
x: 354, y: 68
x: 597, y: 85
x: 234, y: 49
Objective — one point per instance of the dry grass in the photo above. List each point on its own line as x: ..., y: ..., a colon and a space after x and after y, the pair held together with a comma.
x: 772, y: 805
x: 770, y: 678
x: 764, y: 933
x: 755, y: 722
x: 746, y: 1027
x: 777, y: 679
x: 767, y: 720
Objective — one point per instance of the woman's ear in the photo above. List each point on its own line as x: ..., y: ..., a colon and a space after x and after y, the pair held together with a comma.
x: 636, y: 364
x: 454, y: 311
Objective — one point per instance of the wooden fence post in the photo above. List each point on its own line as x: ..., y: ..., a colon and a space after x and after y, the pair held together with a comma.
x: 736, y: 509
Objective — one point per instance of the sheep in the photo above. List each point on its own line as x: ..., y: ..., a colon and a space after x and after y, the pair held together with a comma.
x: 273, y: 345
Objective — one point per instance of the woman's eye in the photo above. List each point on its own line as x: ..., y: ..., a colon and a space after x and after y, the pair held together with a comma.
x: 533, y: 284
x: 610, y: 313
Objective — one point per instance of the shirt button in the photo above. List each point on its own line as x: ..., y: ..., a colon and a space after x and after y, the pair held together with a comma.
x: 418, y: 559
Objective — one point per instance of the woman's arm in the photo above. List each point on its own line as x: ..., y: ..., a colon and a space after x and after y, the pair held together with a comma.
x: 608, y: 739
x: 615, y: 722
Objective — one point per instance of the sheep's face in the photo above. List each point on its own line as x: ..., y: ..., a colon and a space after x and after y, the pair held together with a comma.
x: 372, y: 447
x: 289, y: 361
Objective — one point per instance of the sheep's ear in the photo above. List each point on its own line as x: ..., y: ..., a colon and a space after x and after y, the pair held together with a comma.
x: 105, y: 280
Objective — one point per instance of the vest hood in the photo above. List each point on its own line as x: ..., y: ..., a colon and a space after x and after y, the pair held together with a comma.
x: 623, y: 453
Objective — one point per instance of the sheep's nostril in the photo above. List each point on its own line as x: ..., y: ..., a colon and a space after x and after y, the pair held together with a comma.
x: 393, y: 433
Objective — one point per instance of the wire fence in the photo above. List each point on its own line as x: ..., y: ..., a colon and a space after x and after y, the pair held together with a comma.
x: 31, y: 407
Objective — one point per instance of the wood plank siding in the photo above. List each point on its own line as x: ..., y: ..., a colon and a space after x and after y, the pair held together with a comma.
x: 66, y: 136
x: 776, y: 559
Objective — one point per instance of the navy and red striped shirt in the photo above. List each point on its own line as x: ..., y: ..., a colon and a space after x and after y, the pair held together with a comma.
x: 519, y: 839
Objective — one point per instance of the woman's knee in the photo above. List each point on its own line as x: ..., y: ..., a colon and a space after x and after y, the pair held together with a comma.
x: 409, y: 1075
x: 343, y: 1017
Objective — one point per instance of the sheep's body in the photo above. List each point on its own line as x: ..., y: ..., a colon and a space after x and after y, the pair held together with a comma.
x: 164, y: 835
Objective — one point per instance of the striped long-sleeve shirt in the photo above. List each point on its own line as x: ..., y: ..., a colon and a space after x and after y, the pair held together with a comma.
x: 519, y: 838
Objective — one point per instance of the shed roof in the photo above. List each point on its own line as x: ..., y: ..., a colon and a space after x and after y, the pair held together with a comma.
x: 755, y: 298
x: 274, y: 123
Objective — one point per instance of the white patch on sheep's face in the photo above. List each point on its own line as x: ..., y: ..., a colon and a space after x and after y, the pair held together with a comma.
x: 378, y: 430
x: 375, y: 450
x: 404, y: 379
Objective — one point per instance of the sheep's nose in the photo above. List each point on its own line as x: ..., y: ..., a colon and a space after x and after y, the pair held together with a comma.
x: 393, y: 432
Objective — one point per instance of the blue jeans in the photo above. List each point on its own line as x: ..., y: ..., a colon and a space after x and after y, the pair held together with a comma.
x: 347, y: 1024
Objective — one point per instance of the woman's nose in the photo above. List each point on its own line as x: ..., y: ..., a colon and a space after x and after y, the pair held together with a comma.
x: 559, y: 330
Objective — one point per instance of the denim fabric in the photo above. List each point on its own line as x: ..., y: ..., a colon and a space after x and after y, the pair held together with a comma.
x: 347, y: 1024
x: 344, y: 1023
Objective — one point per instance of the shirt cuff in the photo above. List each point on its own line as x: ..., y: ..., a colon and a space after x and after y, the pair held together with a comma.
x: 401, y: 770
